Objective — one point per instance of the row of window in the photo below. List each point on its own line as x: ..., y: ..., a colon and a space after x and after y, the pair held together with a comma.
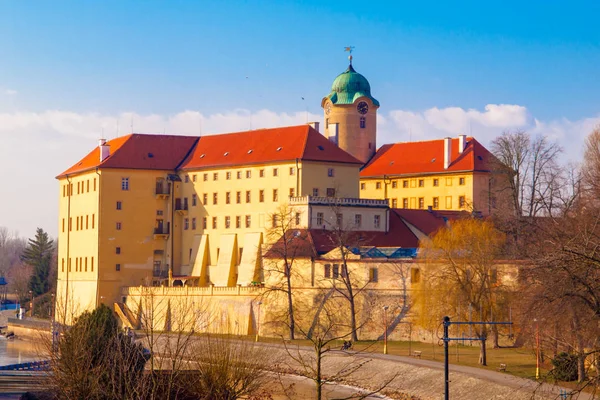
x: 337, y: 271
x: 81, y: 222
x: 462, y: 202
x: 82, y: 187
x: 248, y: 174
x: 340, y: 220
x: 248, y: 196
x: 81, y: 264
x: 414, y: 183
x: 227, y: 221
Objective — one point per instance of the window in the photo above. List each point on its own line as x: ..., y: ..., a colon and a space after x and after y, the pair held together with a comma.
x: 227, y: 222
x: 87, y: 218
x: 316, y: 192
x: 292, y: 171
x: 436, y: 182
x: 194, y: 178
x: 194, y: 200
x: 238, y: 222
x: 275, y: 220
x: 421, y: 202
x: 159, y: 212
x: 124, y: 183
x: 358, y: 220
x: 227, y: 197
x: 448, y: 181
x: 394, y: 184
x: 362, y: 186
x: 215, y: 176
x: 228, y: 175
x: 330, y: 172
x: 261, y: 196
x: 63, y: 224
x: 118, y: 226
x: 87, y: 186
x: 93, y: 219
x: 248, y: 221
x: 339, y: 219
x: 187, y: 179
x: 117, y: 267
x: 421, y: 182
x: 327, y: 270
x: 215, y: 198
x: 238, y: 197
x: 275, y: 195
x: 461, y: 181
x: 330, y: 192
x: 205, y: 198
x: 405, y: 183
x: 92, y: 264
x: 394, y: 203
x: 373, y: 275
x: 248, y: 174
x: 461, y: 202
x: 335, y: 271
x: 204, y: 223
x: 363, y: 123
x: 214, y: 222
x: 415, y: 275
x: 275, y: 172
x: 261, y: 173
x: 117, y: 250
x: 248, y: 197
x: 319, y: 218
x: 436, y: 202
x: 377, y: 185
x: 297, y: 221
x: 377, y: 221
x: 186, y: 224
x: 193, y: 224
x: 94, y: 191
x: 239, y: 174
x: 292, y: 192
x: 205, y: 177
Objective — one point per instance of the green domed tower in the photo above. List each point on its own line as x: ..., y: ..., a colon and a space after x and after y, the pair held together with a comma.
x: 351, y: 114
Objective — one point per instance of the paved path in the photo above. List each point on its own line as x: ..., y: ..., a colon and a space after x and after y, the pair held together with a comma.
x: 424, y: 378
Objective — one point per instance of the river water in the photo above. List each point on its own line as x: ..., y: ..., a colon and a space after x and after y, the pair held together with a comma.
x: 17, y: 351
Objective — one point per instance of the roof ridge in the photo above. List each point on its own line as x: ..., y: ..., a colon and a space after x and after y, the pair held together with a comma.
x: 308, y: 131
x: 111, y: 155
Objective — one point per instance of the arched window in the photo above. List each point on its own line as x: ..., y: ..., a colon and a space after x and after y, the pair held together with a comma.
x: 363, y: 122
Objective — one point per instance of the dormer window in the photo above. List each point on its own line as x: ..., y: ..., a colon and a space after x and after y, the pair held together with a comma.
x: 363, y: 123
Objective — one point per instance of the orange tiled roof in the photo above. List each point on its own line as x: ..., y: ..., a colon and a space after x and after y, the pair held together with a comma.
x: 137, y: 151
x: 428, y: 222
x: 427, y: 157
x: 263, y: 146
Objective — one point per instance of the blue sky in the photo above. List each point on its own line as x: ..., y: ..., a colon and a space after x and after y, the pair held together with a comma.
x: 71, y: 69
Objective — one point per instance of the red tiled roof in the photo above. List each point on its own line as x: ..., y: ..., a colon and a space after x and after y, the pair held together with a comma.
x: 428, y: 222
x: 264, y: 146
x: 138, y: 151
x: 427, y: 157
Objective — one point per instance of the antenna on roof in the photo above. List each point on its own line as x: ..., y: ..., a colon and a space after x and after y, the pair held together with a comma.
x: 117, y: 128
x: 131, y: 123
x: 200, y: 124
x: 306, y: 107
x: 102, y: 132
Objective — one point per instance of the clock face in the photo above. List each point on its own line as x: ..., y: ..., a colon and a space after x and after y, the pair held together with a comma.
x: 362, y: 107
x: 328, y: 108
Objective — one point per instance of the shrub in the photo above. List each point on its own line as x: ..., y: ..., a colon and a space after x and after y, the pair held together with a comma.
x: 565, y: 367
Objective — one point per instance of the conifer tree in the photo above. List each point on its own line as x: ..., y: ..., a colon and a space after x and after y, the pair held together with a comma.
x: 38, y: 254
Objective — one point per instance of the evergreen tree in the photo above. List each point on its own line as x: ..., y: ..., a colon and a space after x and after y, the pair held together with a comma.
x: 38, y: 254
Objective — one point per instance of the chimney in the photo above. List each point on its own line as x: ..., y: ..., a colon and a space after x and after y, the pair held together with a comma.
x: 447, y: 152
x: 333, y: 132
x: 315, y: 125
x: 104, y: 149
x: 462, y: 143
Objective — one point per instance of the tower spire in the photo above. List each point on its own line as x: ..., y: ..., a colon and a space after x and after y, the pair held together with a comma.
x: 349, y: 50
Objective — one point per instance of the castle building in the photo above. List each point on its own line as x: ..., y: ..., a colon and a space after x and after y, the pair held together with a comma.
x: 165, y: 210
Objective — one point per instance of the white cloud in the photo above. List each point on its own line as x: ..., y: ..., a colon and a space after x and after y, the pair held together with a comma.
x: 35, y: 147
x: 10, y: 92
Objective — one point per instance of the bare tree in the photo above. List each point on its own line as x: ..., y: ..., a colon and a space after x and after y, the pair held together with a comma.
x: 287, y: 244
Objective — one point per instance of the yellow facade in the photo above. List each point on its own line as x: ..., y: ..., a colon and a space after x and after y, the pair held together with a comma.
x: 457, y: 191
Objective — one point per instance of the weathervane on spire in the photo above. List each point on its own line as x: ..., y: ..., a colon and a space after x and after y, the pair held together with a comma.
x: 349, y: 50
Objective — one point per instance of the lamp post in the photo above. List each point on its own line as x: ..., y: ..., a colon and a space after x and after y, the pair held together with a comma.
x: 385, y: 326
x: 31, y: 303
x: 537, y: 345
x: 258, y: 322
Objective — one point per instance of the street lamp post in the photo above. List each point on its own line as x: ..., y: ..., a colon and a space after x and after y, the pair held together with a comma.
x: 31, y: 304
x: 258, y: 322
x: 537, y: 345
x: 385, y: 329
